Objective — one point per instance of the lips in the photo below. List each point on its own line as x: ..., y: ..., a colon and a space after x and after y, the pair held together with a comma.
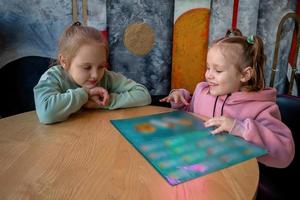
x: 92, y: 82
x: 211, y: 84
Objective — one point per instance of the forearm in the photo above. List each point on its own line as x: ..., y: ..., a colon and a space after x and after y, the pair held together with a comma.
x: 55, y: 107
x: 139, y: 96
x: 276, y: 139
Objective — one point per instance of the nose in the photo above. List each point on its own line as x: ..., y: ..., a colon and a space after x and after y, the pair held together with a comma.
x: 94, y: 73
x: 208, y: 74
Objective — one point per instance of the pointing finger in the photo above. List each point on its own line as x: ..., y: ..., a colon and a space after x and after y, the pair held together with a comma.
x: 184, y: 101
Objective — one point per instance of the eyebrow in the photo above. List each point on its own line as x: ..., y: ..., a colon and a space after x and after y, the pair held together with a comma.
x: 215, y: 65
x: 88, y: 63
x: 85, y: 63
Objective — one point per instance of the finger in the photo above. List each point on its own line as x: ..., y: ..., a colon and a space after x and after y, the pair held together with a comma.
x: 217, y: 130
x: 105, y: 97
x: 164, y: 99
x: 97, y: 91
x: 212, y: 122
x: 105, y: 100
x: 184, y: 101
x: 93, y: 91
x: 89, y: 104
x: 215, y: 120
x: 99, y: 97
x: 171, y: 99
x: 208, y: 122
x: 176, y: 99
x: 102, y: 91
x: 97, y: 100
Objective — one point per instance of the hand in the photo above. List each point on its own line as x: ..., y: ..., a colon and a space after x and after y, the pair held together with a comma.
x: 175, y: 97
x: 91, y: 104
x: 221, y: 123
x: 99, y: 95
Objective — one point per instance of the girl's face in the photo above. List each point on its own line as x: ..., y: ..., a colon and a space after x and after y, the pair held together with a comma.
x: 88, y: 65
x: 221, y: 74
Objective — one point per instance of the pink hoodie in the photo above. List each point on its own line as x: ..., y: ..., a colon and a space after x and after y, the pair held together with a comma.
x: 257, y: 120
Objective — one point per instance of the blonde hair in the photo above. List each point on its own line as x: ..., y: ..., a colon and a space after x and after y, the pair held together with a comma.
x: 249, y: 51
x: 77, y: 35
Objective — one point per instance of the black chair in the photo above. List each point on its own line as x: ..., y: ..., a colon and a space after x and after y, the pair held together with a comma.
x: 282, y: 183
x: 17, y: 80
x: 155, y: 101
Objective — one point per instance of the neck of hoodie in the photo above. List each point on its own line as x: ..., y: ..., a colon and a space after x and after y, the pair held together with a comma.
x: 215, y: 105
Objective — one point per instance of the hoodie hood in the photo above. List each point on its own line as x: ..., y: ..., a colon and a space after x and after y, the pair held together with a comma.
x: 265, y: 95
x: 208, y: 105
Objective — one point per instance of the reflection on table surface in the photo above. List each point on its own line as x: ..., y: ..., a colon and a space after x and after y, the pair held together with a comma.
x: 86, y: 158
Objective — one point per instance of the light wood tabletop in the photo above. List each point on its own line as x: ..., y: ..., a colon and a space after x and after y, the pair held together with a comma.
x: 85, y: 157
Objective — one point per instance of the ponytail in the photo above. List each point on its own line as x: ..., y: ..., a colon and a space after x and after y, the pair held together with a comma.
x: 256, y: 52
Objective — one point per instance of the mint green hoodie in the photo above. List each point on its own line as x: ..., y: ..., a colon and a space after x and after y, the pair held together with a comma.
x: 56, y: 96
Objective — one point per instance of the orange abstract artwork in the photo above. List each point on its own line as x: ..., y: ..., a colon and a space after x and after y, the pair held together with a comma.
x: 190, y: 43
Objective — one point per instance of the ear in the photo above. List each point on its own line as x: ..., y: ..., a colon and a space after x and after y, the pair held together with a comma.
x: 63, y: 61
x: 246, y: 74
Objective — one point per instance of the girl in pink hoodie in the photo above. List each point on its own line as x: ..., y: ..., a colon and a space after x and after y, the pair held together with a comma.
x: 235, y: 99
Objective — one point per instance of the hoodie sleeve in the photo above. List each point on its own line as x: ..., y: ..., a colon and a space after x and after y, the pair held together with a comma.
x: 187, y: 96
x: 52, y: 103
x: 125, y: 92
x: 267, y: 131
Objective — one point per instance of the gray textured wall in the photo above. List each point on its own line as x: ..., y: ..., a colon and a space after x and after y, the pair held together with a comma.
x: 32, y: 27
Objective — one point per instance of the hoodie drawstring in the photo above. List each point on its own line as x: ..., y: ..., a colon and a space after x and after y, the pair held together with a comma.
x: 215, y: 106
x: 228, y: 95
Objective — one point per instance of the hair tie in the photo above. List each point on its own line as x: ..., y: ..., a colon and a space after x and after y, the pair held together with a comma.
x: 77, y: 23
x: 250, y: 39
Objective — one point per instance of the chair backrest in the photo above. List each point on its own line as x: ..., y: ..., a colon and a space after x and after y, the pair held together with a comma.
x: 296, y: 18
x: 289, y: 107
x: 17, y: 80
x: 277, y: 183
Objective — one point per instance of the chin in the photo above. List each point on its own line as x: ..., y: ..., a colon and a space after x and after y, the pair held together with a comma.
x: 216, y: 93
x: 212, y: 93
x: 88, y: 86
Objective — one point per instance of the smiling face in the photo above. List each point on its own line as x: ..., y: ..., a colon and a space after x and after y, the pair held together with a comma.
x: 221, y: 74
x: 88, y: 65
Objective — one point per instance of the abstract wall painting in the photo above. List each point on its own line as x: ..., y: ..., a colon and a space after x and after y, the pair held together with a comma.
x: 33, y: 29
x: 190, y: 42
x: 140, y: 38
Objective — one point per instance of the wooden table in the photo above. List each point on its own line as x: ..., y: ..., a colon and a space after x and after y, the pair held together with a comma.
x: 86, y: 158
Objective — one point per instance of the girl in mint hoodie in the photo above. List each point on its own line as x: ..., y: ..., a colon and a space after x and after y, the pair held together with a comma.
x: 235, y: 99
x: 81, y: 79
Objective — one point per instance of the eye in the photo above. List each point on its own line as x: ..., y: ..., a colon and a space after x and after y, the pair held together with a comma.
x: 100, y: 67
x: 219, y: 69
x: 87, y: 67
